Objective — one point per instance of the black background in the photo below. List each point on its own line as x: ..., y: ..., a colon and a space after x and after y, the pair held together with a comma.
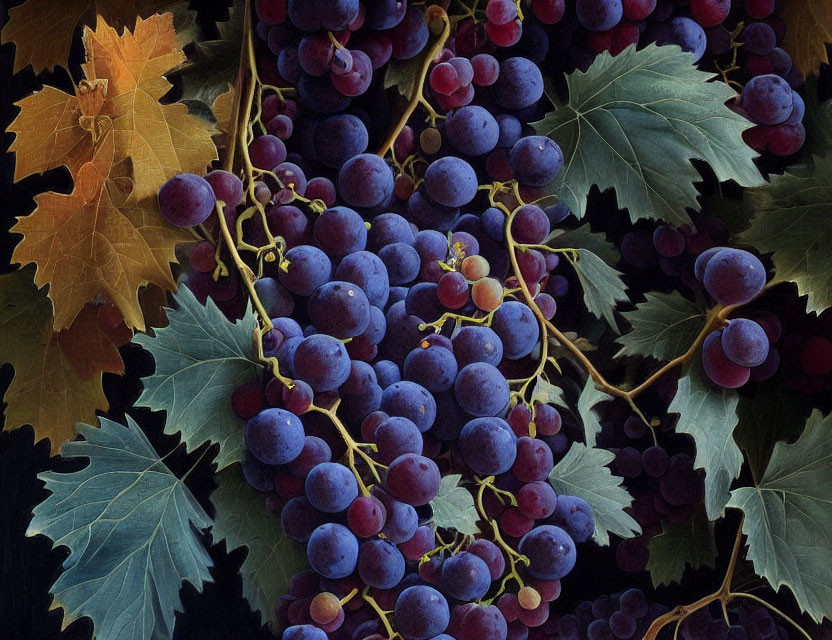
x: 28, y: 566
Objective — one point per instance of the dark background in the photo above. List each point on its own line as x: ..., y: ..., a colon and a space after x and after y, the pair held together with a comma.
x: 28, y: 566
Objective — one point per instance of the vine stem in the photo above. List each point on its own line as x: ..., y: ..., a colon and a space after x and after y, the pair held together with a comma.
x: 432, y: 14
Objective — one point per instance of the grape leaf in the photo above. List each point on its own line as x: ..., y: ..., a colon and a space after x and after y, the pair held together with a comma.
x: 46, y: 391
x: 583, y: 473
x: 129, y: 524
x: 42, y: 30
x: 787, y: 518
x: 808, y: 29
x: 91, y: 342
x: 736, y: 214
x: 602, y: 285
x: 791, y: 220
x: 404, y: 75
x: 545, y: 392
x: 709, y: 414
x: 663, y: 326
x: 590, y: 396
x: 774, y: 413
x: 817, y: 121
x: 690, y: 543
x: 272, y: 558
x: 453, y: 507
x: 201, y: 358
x: 583, y: 237
x: 634, y: 121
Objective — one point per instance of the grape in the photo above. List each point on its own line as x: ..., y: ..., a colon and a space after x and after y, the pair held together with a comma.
x: 481, y: 390
x: 340, y: 231
x: 733, y: 276
x: 384, y: 14
x: 366, y: 516
x: 622, y: 625
x: 534, y: 460
x: 486, y: 69
x: 421, y: 613
x: 487, y: 294
x: 536, y: 500
x: 492, y: 556
x: 745, y: 343
x: 599, y: 630
x: 292, y: 176
x: 321, y: 361
x: 767, y: 99
x: 315, y: 451
x: 488, y: 445
x: 465, y: 576
x: 654, y: 461
x: 759, y: 9
x: 380, y: 564
x: 575, y: 516
x: 549, y: 11
x: 668, y: 241
x: 500, y: 11
x: 266, y: 152
x: 362, y: 377
x: 535, y: 160
x: 202, y: 257
x: 687, y: 34
x: 287, y: 221
x: 599, y: 15
x: 451, y: 181
x: 702, y: 261
x: 357, y: 80
x: 760, y: 38
x: 421, y: 543
x: 633, y: 603
x: 274, y: 436
x: 681, y: 485
x: 387, y: 373
x: 550, y: 550
x: 412, y: 401
x: 304, y: 632
x: 275, y: 299
x: 798, y: 110
x: 402, y: 520
x: 339, y: 138
x: 435, y: 368
x: 514, y: 523
x: 340, y: 309
x: 530, y: 224
x: 519, y: 85
x: 639, y: 9
x: 477, y: 344
x: 410, y: 36
x: 299, y: 519
x: 330, y: 487
x: 444, y: 79
x: 324, y: 608
x: 505, y: 35
x: 365, y: 180
x: 628, y: 461
x: 187, y: 200
x: 402, y: 262
x: 517, y: 327
x: 482, y: 622
x: 472, y: 130
x: 368, y: 272
x: 332, y: 550
x: 389, y: 228
x: 259, y: 475
x: 247, y: 400
x: 710, y: 13
x: 308, y: 269
x: 413, y: 479
x: 453, y: 290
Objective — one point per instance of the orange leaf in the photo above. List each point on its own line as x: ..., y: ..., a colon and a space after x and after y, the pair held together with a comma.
x: 91, y: 343
x: 42, y: 30
x: 808, y: 29
x: 153, y: 300
x: 45, y: 391
x: 223, y: 108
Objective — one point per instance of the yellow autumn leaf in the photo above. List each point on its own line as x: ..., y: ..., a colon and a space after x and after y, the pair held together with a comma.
x: 45, y: 391
x: 808, y: 29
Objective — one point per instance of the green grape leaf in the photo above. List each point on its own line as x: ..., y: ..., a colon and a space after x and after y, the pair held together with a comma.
x: 272, y: 559
x: 787, y: 518
x: 709, y: 414
x: 736, y: 214
x: 583, y: 473
x: 453, y: 507
x: 633, y: 123
x: 602, y: 285
x: 545, y: 392
x: 201, y: 358
x: 663, y: 326
x: 590, y: 396
x: 212, y: 64
x: 131, y: 529
x: 817, y: 121
x: 791, y: 220
x: 404, y: 75
x: 773, y: 414
x: 584, y: 238
x: 690, y: 543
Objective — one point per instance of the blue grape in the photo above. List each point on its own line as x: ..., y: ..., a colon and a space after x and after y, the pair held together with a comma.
x: 402, y: 262
x: 389, y: 228
x: 550, y: 550
x: 332, y: 550
x: 340, y: 309
x: 337, y: 15
x: 286, y: 356
x: 557, y: 213
x: 387, y: 373
x: 734, y: 276
x: 315, y: 451
x: 365, y: 181
x: 380, y: 564
x: 299, y: 519
x: 354, y: 409
x: 421, y: 613
x: 767, y: 99
x: 226, y: 186
x: 317, y: 94
x: 275, y: 436
x: 395, y: 437
x: 402, y: 519
x: 575, y: 516
x: 362, y: 377
x: 330, y: 487
x: 510, y: 130
x: 424, y: 212
x: 258, y: 474
x: 535, y: 160
x: 481, y: 390
x: 494, y: 224
x: 340, y: 231
x: 303, y: 632
x: 534, y: 460
x: 472, y: 130
x: 339, y: 138
x: 486, y: 622
x: 434, y: 368
x: 384, y: 14
x: 412, y: 401
x: 321, y: 361
x: 450, y: 418
x: 465, y: 576
x: 718, y: 367
x: 368, y: 271
x: 186, y: 200
x: 288, y: 66
x: 520, y: 83
x: 423, y: 302
x: 517, y: 327
x: 760, y: 38
x: 477, y: 344
x: 488, y: 446
x: 745, y: 342
x: 304, y: 15
x: 687, y: 34
x: 413, y: 479
x: 308, y: 269
x: 491, y: 554
x: 410, y: 36
x: 451, y: 181
x: 276, y: 300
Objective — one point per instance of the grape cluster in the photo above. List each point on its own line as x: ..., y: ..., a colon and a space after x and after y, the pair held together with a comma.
x: 746, y: 620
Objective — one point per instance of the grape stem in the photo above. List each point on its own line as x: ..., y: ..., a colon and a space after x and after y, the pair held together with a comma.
x: 382, y: 614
